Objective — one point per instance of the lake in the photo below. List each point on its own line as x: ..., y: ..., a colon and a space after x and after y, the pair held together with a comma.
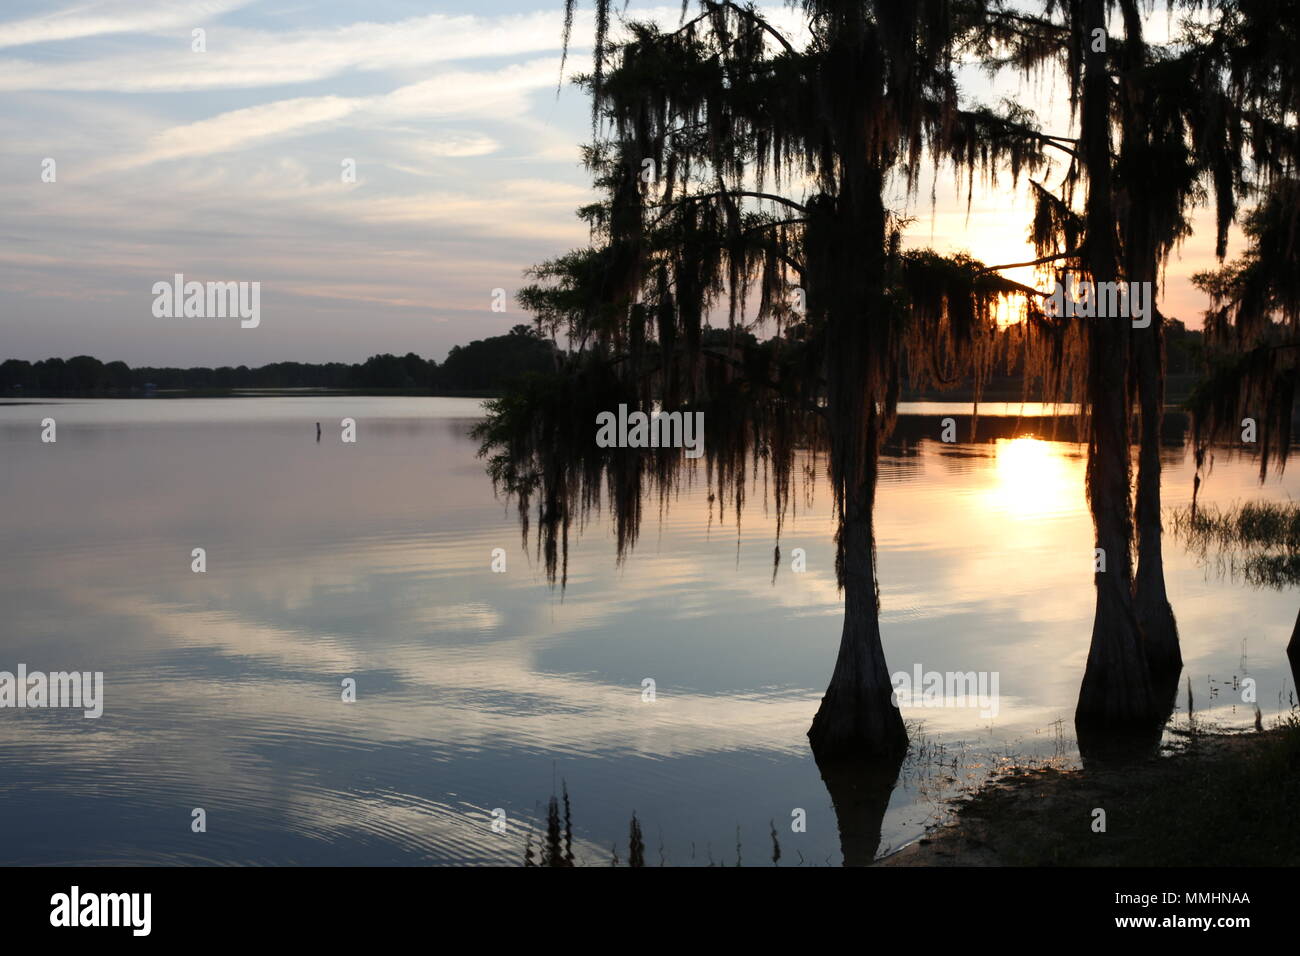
x: 480, y: 692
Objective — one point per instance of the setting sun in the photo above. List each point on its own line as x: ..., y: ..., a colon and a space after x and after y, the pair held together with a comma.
x: 1035, y: 478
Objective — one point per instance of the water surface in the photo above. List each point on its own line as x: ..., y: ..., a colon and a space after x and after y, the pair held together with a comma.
x: 480, y: 691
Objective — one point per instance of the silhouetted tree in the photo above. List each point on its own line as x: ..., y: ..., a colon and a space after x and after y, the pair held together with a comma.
x: 1156, y: 126
x: 734, y: 166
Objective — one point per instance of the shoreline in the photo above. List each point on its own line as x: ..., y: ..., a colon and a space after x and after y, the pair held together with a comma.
x: 1217, y: 799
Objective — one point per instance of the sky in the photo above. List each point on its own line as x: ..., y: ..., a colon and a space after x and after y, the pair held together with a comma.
x: 229, y: 164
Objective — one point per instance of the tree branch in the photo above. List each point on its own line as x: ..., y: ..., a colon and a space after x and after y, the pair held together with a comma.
x: 1057, y: 142
x: 778, y: 222
x: 753, y: 17
x: 733, y: 192
x: 1072, y: 254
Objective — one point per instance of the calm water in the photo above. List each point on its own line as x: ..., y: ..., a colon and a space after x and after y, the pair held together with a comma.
x: 478, y: 690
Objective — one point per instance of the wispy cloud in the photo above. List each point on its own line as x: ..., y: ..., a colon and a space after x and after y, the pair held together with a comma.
x: 499, y: 94
x: 244, y: 59
x: 240, y: 128
x: 114, y: 16
x: 239, y: 58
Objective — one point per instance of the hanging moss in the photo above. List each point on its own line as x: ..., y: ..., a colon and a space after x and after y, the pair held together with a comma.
x: 695, y: 126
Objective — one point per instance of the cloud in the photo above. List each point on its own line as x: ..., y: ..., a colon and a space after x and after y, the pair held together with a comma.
x: 497, y: 94
x: 113, y: 16
x: 238, y: 58
x: 240, y: 128
x: 493, y: 94
x: 457, y: 146
x: 245, y: 59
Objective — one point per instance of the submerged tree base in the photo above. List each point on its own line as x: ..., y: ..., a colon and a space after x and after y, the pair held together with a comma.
x: 1108, y: 745
x: 1159, y: 637
x: 857, y: 727
x: 1118, y: 711
x: 1118, y: 735
x: 1117, y: 738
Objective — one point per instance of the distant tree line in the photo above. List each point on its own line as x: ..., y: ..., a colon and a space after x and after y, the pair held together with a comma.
x: 484, y: 365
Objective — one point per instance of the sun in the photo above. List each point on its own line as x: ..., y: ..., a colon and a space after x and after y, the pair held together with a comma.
x: 1033, y: 478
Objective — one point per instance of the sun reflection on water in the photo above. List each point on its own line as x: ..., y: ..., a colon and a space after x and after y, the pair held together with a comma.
x: 1033, y: 478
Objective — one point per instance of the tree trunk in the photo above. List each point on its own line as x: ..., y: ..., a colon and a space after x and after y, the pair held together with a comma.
x: 1151, y: 602
x: 1115, y: 696
x: 1116, y: 690
x: 1293, y: 653
x: 846, y: 279
x: 857, y: 717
